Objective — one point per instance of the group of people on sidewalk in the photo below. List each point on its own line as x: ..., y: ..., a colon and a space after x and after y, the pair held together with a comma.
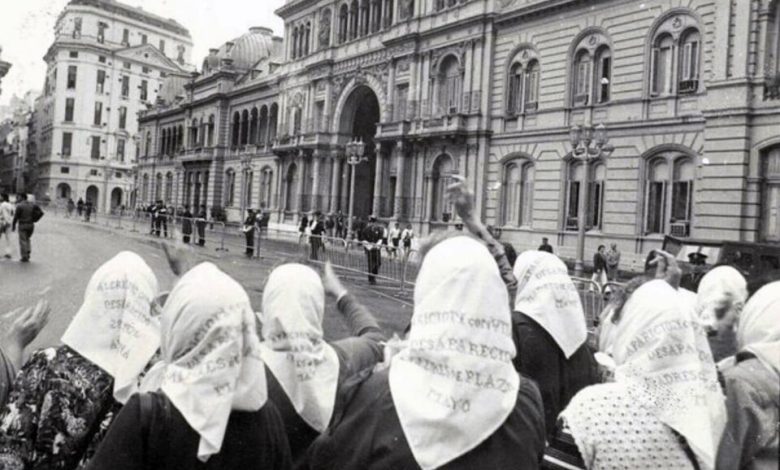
x: 81, y: 208
x: 23, y: 215
x: 494, y: 371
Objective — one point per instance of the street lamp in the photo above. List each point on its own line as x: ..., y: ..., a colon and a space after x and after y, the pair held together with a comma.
x: 588, y: 144
x: 356, y: 151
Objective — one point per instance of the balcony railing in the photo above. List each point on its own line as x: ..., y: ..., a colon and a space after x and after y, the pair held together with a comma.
x: 689, y: 86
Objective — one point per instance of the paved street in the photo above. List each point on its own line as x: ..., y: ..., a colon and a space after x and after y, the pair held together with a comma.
x: 66, y: 253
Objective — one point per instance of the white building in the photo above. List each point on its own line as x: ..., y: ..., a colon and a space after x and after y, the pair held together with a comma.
x: 108, y: 61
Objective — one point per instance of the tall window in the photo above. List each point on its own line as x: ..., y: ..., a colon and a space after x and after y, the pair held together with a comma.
x: 248, y: 176
x: 77, y: 27
x: 67, y: 144
x: 354, y: 19
x: 70, y: 103
x: 230, y: 187
x: 72, y: 72
x: 770, y: 197
x: 145, y: 187
x: 125, y: 86
x: 101, y: 81
x: 120, y: 150
x: 125, y: 37
x: 101, y: 35
x: 162, y: 46
x: 95, y: 152
x: 194, y: 133
x: 144, y: 90
x: 518, y: 193
x: 148, y: 147
x: 596, y: 196
x: 401, y: 99
x: 343, y: 23
x: 449, y: 83
x: 122, y: 117
x: 574, y: 177
x: 98, y: 119
x: 591, y: 70
x: 291, y: 184
x: 669, y: 195
x: 523, y: 83
x: 210, y: 137
x: 266, y: 181
x: 661, y: 65
x: 168, y: 186
x: 144, y: 38
x: 690, y: 51
x: 675, y: 57
x: 236, y: 131
x: 440, y: 179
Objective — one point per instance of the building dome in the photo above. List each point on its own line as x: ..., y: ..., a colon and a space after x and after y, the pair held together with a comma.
x: 243, y: 52
x: 171, y: 88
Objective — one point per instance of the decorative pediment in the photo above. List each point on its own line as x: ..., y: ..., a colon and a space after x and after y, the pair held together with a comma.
x: 150, y: 55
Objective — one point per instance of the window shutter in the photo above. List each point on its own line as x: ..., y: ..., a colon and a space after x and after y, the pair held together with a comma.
x: 655, y: 78
x: 694, y: 70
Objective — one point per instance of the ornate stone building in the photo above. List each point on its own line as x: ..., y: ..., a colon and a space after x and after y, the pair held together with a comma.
x: 489, y: 89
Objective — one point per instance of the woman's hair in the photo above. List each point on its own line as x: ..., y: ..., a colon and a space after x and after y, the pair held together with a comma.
x: 621, y: 295
x: 511, y: 254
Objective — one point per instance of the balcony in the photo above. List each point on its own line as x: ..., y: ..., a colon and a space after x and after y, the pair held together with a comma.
x: 772, y: 88
x: 688, y: 87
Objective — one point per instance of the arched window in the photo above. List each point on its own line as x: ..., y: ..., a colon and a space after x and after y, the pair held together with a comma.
x: 297, y: 122
x: 145, y: 188
x: 406, y: 9
x: 441, y: 177
x: 449, y: 84
x: 770, y: 195
x: 591, y: 70
x: 244, y: 127
x: 376, y: 15
x: 253, y: 127
x: 263, y: 130
x: 669, y: 194
x: 236, y: 129
x: 158, y: 183
x: 343, y: 23
x: 518, y: 193
x: 266, y: 186
x: 230, y: 187
x: 354, y: 12
x: 307, y: 39
x: 575, y: 174
x: 675, y: 56
x: 272, y: 122
x: 248, y: 176
x: 523, y: 83
x: 210, y: 141
x: 294, y: 52
x: 365, y: 17
x: 180, y: 138
x: 291, y: 185
x: 168, y: 187
x: 194, y: 133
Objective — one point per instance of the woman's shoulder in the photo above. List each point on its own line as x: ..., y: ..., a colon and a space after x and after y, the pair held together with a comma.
x: 751, y: 377
x: 595, y: 395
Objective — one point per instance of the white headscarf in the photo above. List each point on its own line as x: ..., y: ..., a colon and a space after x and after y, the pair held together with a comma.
x: 759, y: 326
x: 211, y: 354
x: 663, y: 357
x: 454, y: 385
x: 305, y: 365
x: 115, y: 328
x: 719, y: 286
x: 546, y: 294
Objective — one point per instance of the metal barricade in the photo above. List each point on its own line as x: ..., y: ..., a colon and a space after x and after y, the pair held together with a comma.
x: 592, y: 297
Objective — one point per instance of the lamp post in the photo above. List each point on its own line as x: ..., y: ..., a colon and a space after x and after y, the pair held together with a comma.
x: 588, y: 144
x: 355, y: 156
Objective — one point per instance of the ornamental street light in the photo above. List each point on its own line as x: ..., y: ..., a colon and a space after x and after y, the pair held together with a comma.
x: 588, y: 144
x: 356, y: 154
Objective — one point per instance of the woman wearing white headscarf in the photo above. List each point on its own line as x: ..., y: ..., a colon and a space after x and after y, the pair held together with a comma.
x: 305, y: 372
x: 665, y: 409
x: 550, y: 332
x: 451, y: 399
x: 721, y: 294
x: 210, y: 410
x: 62, y: 394
x: 752, y: 380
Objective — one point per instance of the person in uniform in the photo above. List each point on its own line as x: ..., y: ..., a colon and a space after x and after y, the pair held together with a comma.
x: 200, y: 224
x: 371, y: 235
x: 249, y: 232
x: 186, y: 223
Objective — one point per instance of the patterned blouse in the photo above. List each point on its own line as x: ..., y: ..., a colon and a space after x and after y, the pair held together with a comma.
x: 56, y: 412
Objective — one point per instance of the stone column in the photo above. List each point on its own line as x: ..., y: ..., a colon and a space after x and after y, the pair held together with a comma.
x: 301, y: 181
x: 399, y: 180
x: 335, y: 182
x: 380, y: 159
x: 428, y: 202
x: 315, y: 182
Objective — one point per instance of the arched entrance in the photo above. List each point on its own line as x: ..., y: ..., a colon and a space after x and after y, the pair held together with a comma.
x: 92, y: 196
x: 359, y: 118
x: 63, y: 191
x: 116, y: 198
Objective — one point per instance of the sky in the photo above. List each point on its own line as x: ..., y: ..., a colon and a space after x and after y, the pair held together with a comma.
x: 27, y: 30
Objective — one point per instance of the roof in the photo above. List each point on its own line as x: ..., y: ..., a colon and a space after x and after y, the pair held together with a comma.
x: 244, y: 51
x: 136, y: 13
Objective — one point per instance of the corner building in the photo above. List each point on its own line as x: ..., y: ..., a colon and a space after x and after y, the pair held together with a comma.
x: 489, y: 89
x: 108, y: 61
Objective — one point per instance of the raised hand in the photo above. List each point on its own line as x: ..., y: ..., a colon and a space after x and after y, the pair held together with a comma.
x: 331, y: 283
x: 461, y: 198
x: 666, y: 268
x: 178, y: 254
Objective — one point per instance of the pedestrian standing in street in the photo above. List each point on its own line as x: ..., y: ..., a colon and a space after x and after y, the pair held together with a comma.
x: 303, y: 227
x: 600, y: 267
x: 249, y: 233
x: 613, y: 262
x: 88, y: 210
x: 545, y: 246
x: 306, y: 373
x: 64, y: 398
x: 200, y: 225
x: 204, y: 406
x: 406, y: 237
x: 340, y: 226
x: 26, y: 215
x: 395, y: 238
x: 6, y: 221
x: 186, y: 223
x: 330, y: 225
x: 160, y: 216
x: 80, y: 207
x: 317, y: 230
x: 371, y: 236
x: 71, y: 206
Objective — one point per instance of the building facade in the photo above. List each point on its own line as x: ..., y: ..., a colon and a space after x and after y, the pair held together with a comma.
x: 108, y: 61
x: 490, y: 89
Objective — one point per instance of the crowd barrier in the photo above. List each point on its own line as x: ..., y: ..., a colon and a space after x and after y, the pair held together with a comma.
x: 397, y: 267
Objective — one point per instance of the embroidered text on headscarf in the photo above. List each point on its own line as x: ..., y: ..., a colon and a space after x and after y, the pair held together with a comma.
x: 454, y: 384
x: 115, y: 328
x: 306, y: 367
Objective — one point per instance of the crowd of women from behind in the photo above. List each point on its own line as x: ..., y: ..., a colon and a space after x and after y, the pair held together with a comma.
x: 495, y: 371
